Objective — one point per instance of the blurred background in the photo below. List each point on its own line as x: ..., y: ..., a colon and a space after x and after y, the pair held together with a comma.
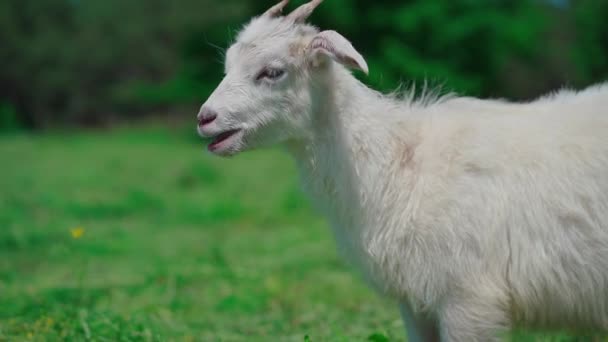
x: 114, y: 223
x: 86, y: 62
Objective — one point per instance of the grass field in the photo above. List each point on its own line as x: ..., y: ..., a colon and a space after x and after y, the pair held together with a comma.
x: 139, y: 235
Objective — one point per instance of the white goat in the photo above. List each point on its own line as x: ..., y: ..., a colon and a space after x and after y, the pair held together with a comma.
x: 476, y: 216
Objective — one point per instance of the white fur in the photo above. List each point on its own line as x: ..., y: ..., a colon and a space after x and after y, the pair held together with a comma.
x: 476, y: 216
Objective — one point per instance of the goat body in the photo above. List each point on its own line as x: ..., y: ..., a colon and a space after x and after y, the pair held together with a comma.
x: 476, y: 216
x: 483, y: 214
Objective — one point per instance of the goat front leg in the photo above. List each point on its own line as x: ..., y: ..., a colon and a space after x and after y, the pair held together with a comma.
x: 473, y: 319
x: 419, y: 328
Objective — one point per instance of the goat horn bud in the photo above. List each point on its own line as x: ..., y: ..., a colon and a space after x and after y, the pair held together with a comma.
x: 302, y: 13
x: 276, y: 10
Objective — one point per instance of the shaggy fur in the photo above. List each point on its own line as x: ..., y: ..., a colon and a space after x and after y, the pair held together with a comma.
x: 476, y: 216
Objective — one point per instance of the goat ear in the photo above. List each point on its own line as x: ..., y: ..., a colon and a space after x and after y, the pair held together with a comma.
x: 333, y: 45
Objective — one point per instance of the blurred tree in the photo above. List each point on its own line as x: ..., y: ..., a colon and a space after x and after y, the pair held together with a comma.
x: 79, y: 61
x: 590, y: 51
x: 462, y: 45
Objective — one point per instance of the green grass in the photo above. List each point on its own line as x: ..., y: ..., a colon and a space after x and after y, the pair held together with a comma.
x: 177, y: 246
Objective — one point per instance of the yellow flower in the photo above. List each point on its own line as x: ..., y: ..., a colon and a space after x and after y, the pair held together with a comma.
x: 77, y: 232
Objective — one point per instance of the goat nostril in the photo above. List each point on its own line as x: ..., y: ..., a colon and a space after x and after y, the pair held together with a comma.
x: 208, y: 120
x: 207, y: 117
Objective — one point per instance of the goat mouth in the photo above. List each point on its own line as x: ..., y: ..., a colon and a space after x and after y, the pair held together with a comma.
x: 219, y: 139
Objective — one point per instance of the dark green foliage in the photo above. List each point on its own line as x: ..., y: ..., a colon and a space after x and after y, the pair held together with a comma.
x: 76, y: 61
x: 86, y: 62
x: 591, y: 34
x: 8, y: 118
x: 73, y: 61
x: 463, y: 45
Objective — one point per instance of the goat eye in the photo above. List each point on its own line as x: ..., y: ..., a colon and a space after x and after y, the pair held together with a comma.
x: 271, y: 74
